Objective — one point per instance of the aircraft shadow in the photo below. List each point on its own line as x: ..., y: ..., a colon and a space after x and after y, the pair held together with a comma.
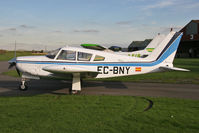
x: 37, y: 87
x: 105, y: 84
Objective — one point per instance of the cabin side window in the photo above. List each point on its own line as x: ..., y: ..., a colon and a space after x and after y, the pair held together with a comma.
x: 84, y: 56
x: 99, y: 58
x: 67, y: 55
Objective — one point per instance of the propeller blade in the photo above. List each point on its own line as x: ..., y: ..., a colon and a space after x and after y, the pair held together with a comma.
x: 18, y: 71
x: 12, y: 63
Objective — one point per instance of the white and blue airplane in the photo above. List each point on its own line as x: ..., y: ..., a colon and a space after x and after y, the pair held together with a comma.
x: 76, y: 63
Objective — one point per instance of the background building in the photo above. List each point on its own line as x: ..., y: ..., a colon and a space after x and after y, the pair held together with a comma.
x: 189, y: 45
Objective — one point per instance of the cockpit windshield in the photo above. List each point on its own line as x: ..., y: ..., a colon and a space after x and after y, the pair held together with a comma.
x: 52, y: 53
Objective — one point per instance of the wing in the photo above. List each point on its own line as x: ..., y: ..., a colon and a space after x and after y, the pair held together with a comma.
x: 69, y: 69
x: 165, y: 68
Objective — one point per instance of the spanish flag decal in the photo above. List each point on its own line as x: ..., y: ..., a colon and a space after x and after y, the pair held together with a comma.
x: 138, y: 69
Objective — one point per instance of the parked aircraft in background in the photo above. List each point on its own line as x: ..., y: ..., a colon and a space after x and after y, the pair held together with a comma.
x: 77, y: 63
x: 139, y: 53
x: 158, y: 40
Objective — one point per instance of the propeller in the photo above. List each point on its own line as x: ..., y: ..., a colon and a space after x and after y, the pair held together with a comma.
x: 12, y: 63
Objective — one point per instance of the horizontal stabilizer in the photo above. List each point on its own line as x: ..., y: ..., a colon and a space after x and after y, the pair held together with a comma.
x: 165, y: 68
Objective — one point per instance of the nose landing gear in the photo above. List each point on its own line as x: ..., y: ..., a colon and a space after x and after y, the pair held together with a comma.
x: 23, y: 86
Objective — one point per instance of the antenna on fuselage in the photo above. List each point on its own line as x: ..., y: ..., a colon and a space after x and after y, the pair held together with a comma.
x: 15, y: 49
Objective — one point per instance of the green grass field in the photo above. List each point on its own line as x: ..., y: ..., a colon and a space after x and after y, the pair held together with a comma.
x: 165, y: 77
x: 104, y: 114
x: 97, y: 114
x: 10, y: 54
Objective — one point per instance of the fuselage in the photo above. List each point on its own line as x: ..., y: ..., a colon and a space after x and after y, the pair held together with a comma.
x: 104, y: 64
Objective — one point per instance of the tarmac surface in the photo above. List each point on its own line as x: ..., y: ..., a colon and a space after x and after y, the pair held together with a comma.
x: 9, y: 87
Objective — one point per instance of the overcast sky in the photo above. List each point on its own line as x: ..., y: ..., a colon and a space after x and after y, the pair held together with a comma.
x: 35, y: 24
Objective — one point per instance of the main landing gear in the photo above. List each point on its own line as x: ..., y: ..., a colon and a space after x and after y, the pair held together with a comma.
x: 23, y: 85
x: 76, y: 84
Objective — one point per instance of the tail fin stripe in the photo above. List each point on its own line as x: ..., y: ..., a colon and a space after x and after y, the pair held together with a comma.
x: 170, y: 43
x: 170, y: 48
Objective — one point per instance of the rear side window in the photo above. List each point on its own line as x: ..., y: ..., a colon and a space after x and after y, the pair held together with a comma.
x: 99, y: 58
x: 67, y: 55
x: 84, y: 56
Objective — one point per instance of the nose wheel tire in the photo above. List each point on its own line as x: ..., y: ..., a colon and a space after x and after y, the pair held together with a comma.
x: 23, y: 87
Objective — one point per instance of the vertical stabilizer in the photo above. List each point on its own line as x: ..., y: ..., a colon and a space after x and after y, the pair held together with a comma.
x: 172, y: 47
x: 154, y: 43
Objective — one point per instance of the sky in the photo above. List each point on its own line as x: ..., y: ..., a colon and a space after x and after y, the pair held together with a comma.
x: 50, y: 24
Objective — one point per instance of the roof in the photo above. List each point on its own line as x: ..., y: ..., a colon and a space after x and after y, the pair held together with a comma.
x: 196, y: 21
x: 140, y: 43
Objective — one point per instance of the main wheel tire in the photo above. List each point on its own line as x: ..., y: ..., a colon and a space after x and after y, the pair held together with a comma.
x: 73, y: 92
x: 23, y: 87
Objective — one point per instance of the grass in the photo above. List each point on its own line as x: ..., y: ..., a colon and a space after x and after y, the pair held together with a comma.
x: 8, y: 55
x: 101, y: 114
x: 191, y: 77
x: 89, y: 114
x: 12, y: 73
